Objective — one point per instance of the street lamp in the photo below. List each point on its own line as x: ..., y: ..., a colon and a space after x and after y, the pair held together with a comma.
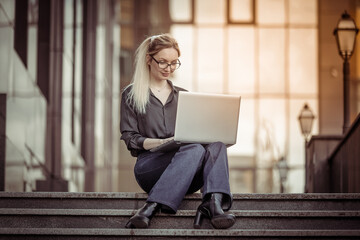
x: 306, y: 119
x: 283, y: 171
x: 345, y: 34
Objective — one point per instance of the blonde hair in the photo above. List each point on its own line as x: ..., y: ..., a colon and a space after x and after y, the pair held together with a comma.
x: 138, y: 96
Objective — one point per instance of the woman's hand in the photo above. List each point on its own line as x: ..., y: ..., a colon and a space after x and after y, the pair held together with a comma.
x: 150, y: 143
x: 168, y: 139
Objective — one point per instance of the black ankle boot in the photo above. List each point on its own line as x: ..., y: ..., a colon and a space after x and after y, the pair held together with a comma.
x: 143, y: 216
x: 211, y: 208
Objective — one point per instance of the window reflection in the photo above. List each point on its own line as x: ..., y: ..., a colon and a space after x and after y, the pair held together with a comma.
x: 245, y: 143
x: 268, y: 55
x: 303, y: 61
x: 271, y: 63
x: 210, y: 62
x: 210, y: 11
x: 241, y: 64
x: 270, y: 11
x: 272, y: 128
x: 303, y: 12
x: 180, y: 11
x: 185, y: 35
x: 241, y: 10
x: 33, y: 11
x: 272, y: 60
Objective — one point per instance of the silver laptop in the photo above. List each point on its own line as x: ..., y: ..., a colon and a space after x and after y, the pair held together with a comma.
x: 204, y: 118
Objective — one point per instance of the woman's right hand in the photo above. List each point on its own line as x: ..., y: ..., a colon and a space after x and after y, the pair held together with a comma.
x: 150, y: 143
x: 168, y: 139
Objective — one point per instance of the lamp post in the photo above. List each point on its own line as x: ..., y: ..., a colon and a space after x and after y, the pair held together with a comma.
x: 306, y: 119
x: 283, y: 171
x: 345, y: 34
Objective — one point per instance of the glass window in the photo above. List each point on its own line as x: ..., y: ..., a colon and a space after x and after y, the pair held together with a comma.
x: 101, y: 13
x: 6, y: 48
x: 7, y: 13
x: 32, y: 52
x: 72, y: 72
x: 272, y: 64
x: 67, y: 77
x: 180, y: 10
x: 297, y: 179
x: 210, y: 71
x: 78, y: 88
x: 100, y: 54
x: 43, y: 47
x: 303, y: 12
x: 210, y: 11
x: 303, y: 60
x: 265, y: 178
x: 68, y: 13
x: 21, y: 30
x: 272, y: 60
x: 78, y: 63
x: 270, y: 11
x: 245, y: 144
x: 33, y: 12
x: 183, y: 77
x: 241, y: 63
x: 272, y: 128
x: 68, y: 43
x: 296, y: 154
x: 79, y: 10
x: 241, y: 11
x: 241, y: 181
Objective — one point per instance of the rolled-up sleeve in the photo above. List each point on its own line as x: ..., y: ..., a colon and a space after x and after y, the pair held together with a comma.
x: 129, y: 127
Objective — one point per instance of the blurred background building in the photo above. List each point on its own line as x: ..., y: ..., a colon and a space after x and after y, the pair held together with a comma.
x: 63, y: 64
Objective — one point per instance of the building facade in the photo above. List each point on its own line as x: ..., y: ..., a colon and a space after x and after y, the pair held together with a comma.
x: 59, y: 91
x: 65, y: 62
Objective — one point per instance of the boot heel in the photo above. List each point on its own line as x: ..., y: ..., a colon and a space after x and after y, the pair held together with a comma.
x: 198, y: 219
x: 129, y: 225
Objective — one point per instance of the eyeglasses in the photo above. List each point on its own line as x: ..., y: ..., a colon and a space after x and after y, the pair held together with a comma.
x: 163, y: 65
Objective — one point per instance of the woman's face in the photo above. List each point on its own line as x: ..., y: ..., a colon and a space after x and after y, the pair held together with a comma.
x: 167, y: 55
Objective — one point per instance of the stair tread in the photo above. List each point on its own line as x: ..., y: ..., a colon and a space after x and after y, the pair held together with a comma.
x: 196, y: 196
x: 177, y: 232
x: 261, y: 202
x: 127, y: 212
x: 103, y: 216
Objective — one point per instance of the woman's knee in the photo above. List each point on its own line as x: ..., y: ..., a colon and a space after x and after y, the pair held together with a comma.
x: 194, y: 148
x: 216, y: 146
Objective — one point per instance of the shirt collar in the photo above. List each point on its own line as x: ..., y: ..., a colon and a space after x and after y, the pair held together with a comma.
x: 172, y: 86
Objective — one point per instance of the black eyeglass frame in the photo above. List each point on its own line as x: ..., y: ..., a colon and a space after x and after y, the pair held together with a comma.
x: 178, y: 63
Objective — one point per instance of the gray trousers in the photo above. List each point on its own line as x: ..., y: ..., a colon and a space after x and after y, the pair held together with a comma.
x: 168, y: 176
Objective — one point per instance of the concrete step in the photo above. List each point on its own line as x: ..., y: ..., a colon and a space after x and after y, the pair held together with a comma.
x: 102, y: 218
x: 104, y: 215
x: 102, y: 234
x: 53, y: 200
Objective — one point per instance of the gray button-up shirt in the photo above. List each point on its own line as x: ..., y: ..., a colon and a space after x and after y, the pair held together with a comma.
x: 157, y: 122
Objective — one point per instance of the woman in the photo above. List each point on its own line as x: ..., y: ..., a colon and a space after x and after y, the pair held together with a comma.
x: 148, y: 110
